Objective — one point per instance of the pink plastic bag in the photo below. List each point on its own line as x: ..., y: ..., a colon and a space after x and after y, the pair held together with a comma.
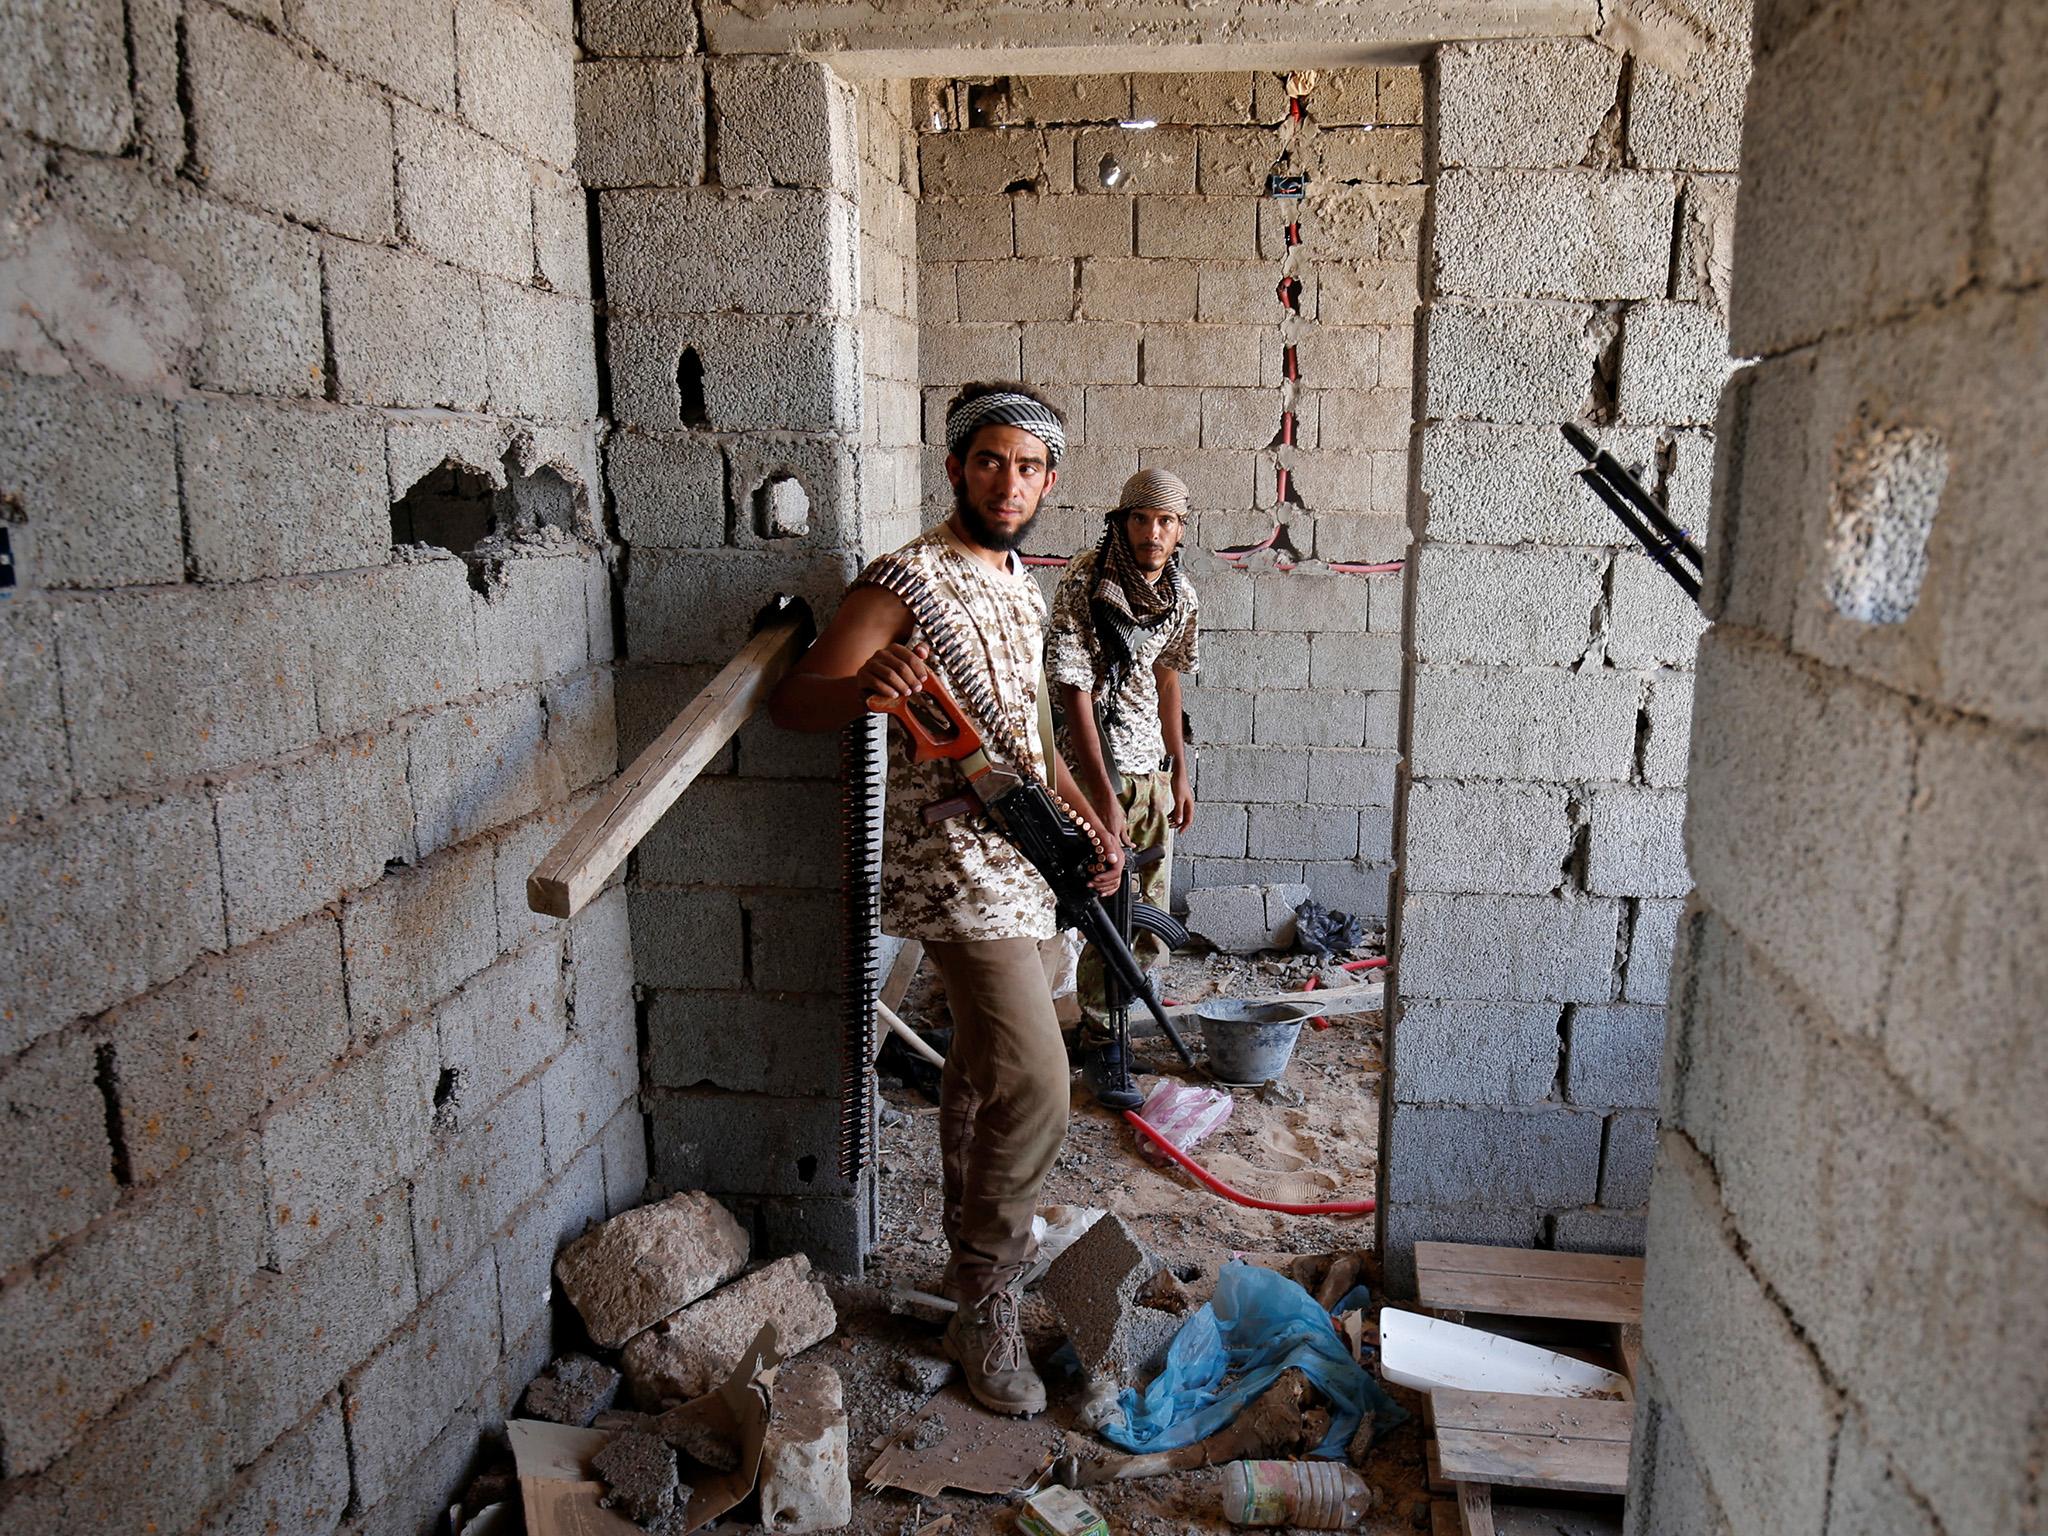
x: 1183, y: 1115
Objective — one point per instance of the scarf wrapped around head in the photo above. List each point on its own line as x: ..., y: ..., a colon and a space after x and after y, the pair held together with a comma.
x: 1006, y: 410
x: 1121, y: 601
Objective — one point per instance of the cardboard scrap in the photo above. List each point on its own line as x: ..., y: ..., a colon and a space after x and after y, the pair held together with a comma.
x: 953, y: 1442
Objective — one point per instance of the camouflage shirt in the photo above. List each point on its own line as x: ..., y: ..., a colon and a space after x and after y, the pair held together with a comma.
x: 961, y: 879
x: 1073, y: 656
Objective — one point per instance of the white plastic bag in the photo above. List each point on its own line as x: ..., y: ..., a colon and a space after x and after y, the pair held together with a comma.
x: 1184, y: 1115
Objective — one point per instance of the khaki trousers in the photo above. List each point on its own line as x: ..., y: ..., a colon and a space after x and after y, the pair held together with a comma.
x: 1003, y: 1102
x: 1147, y: 799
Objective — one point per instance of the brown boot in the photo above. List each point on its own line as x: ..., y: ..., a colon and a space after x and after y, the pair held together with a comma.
x: 985, y: 1339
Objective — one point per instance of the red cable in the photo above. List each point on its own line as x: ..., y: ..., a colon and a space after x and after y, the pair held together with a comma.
x: 1285, y: 1207
x: 1355, y: 568
x: 1366, y: 965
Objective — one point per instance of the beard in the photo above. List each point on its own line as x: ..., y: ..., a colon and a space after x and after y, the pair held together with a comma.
x: 983, y: 533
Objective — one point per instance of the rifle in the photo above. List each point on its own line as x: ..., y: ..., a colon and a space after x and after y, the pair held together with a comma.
x: 1025, y: 812
x: 1637, y: 511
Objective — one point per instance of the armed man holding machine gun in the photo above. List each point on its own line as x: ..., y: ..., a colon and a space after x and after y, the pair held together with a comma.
x: 957, y: 608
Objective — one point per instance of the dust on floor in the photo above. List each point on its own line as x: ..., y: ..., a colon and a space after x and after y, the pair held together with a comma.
x: 1322, y: 1149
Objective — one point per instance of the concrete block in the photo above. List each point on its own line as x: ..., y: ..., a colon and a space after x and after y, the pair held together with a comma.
x: 1386, y: 156
x: 689, y: 1352
x: 530, y: 623
x: 584, y: 1087
x: 804, y: 1481
x: 746, y: 1144
x: 462, y: 198
x: 648, y: 1263
x: 393, y: 640
x: 1255, y: 660
x: 1598, y: 1232
x: 1835, y: 755
x: 710, y: 849
x: 1198, y: 228
x: 1080, y: 352
x: 1144, y: 417
x: 1218, y: 831
x: 1205, y: 354
x: 1377, y: 419
x: 1256, y: 774
x: 1514, y: 948
x: 1329, y: 356
x: 1669, y: 712
x: 1651, y: 939
x: 1525, y: 104
x: 279, y: 492
x: 1218, y: 716
x: 473, y: 1182
x: 1650, y: 619
x: 1067, y: 99
x: 295, y: 837
x: 1334, y: 481
x: 1232, y: 917
x: 80, y: 951
x: 1141, y: 163
x: 538, y: 354
x: 1489, y: 484
x: 229, y: 299
x: 601, y: 983
x: 1128, y: 288
x: 1409, y: 1224
x: 407, y: 331
x: 516, y: 82
x: 1246, y: 419
x: 561, y: 235
x: 1509, y: 1157
x: 1953, y: 1023
x: 1545, y: 724
x: 159, y: 684
x: 53, y: 1103
x: 582, y: 729
x: 1612, y: 1059
x: 699, y: 607
x: 501, y: 1026
x: 476, y: 766
x: 805, y: 236
x: 1347, y: 222
x: 1358, y: 886
x: 1637, y: 846
x: 410, y: 1390
x: 1376, y: 834
x: 1868, y: 1492
x: 796, y: 942
x: 1227, y: 291
x: 434, y: 1479
x: 1092, y: 1288
x: 1350, y: 778
x: 640, y: 122
x: 573, y: 1390
x: 1207, y: 874
x: 2018, y: 130
x: 759, y: 373
x: 1383, y: 720
x: 983, y: 228
x: 1234, y: 162
x: 959, y: 354
x: 408, y: 47
x: 1626, y: 1160
x: 201, y: 1058
x: 34, y: 758
x: 657, y: 27
x: 1716, y: 1329
x: 285, y: 1350
x: 95, y: 478
x: 1365, y: 293
x: 1022, y: 288
x: 1474, y: 1053
x: 1304, y: 832
x: 1554, y: 234
x: 740, y: 1041
x: 982, y: 162
x: 67, y: 78
x: 785, y: 122
x: 687, y: 938
x: 1200, y: 98
x: 1348, y: 96
x: 1216, y: 479
x: 1513, y: 838
x: 300, y: 1483
x: 1529, y: 362
x: 1674, y: 360
x: 416, y: 935
x: 1369, y: 539
x: 170, y: 1266
x: 1692, y: 118
x: 550, y: 1219
x: 1507, y: 606
x: 1312, y: 718
x: 271, y: 127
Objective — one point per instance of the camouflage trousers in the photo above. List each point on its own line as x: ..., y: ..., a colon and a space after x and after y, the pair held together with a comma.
x: 1147, y: 799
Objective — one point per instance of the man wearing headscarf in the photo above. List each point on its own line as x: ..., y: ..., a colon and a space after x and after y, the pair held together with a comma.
x: 953, y: 881
x: 1124, y: 630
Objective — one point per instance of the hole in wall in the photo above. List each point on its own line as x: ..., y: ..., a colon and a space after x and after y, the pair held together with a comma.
x: 1887, y: 488
x: 447, y: 1099
x: 690, y: 389
x: 456, y: 508
x: 448, y: 508
x: 807, y: 1168
x: 1110, y: 171
x: 782, y: 508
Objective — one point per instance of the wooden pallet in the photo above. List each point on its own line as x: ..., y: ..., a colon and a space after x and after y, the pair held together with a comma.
x: 1529, y: 1282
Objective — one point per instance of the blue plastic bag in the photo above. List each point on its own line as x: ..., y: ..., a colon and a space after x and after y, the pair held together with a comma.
x: 1260, y: 1324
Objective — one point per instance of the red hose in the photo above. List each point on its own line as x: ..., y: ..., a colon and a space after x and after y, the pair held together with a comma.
x: 1285, y: 1207
x: 1366, y: 965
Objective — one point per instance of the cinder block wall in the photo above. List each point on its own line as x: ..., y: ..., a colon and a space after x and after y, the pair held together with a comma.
x: 297, y: 1096
x: 731, y: 231
x: 1134, y: 274
x: 1844, y: 1329
x: 1577, y: 270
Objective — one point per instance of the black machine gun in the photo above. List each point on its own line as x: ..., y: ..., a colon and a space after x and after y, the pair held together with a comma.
x: 1064, y: 853
x: 1663, y: 540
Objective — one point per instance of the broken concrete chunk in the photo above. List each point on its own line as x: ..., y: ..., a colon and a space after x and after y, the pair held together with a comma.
x: 924, y: 1373
x: 1166, y: 1292
x: 804, y: 1481
x: 643, y: 1264
x: 574, y: 1390
x: 1093, y: 1288
x: 639, y: 1473
x: 1240, y: 919
x: 1149, y: 1333
x: 687, y: 1354
x: 692, y: 1437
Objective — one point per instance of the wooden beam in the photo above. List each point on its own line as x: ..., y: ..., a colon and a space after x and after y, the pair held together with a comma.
x: 1475, y: 1509
x: 577, y: 867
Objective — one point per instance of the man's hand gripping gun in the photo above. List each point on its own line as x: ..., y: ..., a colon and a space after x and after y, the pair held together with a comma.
x: 1024, y: 811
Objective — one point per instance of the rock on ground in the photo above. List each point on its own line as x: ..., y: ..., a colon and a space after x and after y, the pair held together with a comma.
x: 804, y: 1481
x: 644, y: 1264
x: 687, y: 1354
x: 574, y: 1390
x: 639, y: 1473
x: 1093, y: 1287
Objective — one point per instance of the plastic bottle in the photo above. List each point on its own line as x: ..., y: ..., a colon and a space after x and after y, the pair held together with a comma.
x: 1314, y: 1495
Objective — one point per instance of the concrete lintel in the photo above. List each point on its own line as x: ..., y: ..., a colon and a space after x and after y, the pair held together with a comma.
x: 1054, y: 37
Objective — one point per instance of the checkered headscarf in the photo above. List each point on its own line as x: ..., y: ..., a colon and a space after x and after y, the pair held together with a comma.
x: 1006, y: 410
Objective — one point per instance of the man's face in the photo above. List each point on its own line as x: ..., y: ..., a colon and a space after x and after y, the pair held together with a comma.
x: 1154, y: 537
x: 998, y: 485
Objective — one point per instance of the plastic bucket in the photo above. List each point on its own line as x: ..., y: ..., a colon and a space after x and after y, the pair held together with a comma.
x: 1250, y: 1043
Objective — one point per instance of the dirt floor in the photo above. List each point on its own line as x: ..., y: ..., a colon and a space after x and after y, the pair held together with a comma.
x: 1323, y: 1147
